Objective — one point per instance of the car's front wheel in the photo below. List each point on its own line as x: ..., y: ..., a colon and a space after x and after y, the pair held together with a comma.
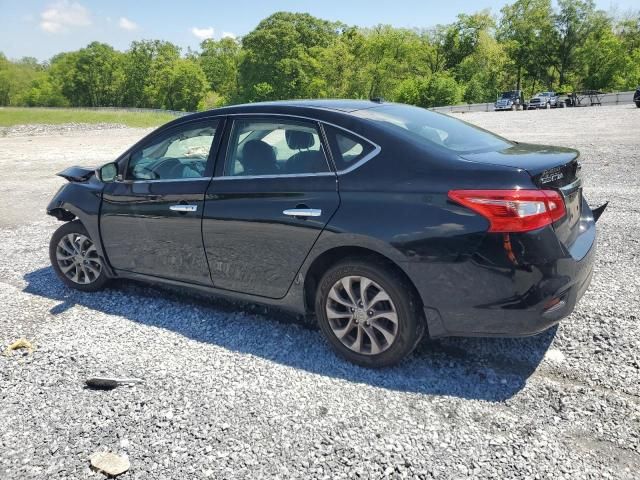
x: 638, y: 104
x: 75, y: 259
x: 369, y: 313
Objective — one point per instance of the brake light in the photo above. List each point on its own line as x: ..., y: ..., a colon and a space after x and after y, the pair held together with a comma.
x: 511, y: 211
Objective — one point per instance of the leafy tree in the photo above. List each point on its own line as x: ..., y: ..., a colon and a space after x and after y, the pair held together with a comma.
x: 462, y: 37
x: 44, y: 93
x: 146, y: 65
x: 525, y: 29
x: 439, y: 89
x: 16, y: 77
x: 601, y: 57
x: 281, y: 55
x: 573, y: 24
x: 183, y: 87
x: 481, y: 73
x: 92, y: 76
x: 220, y: 61
x: 294, y: 55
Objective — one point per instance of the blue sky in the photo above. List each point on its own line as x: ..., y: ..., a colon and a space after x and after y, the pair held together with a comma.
x: 41, y: 28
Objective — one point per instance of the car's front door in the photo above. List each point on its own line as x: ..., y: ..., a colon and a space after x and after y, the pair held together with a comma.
x: 151, y: 220
x: 267, y: 204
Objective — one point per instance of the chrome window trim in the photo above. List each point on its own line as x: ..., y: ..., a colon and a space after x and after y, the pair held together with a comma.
x: 376, y: 150
x: 284, y: 175
x: 164, y: 180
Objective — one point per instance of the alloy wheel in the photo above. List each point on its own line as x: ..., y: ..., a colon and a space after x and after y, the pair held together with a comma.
x: 78, y: 258
x: 362, y: 315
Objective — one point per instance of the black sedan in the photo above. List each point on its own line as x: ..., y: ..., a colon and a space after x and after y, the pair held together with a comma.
x: 386, y: 221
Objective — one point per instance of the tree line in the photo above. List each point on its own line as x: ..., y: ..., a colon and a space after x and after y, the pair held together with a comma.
x: 531, y: 45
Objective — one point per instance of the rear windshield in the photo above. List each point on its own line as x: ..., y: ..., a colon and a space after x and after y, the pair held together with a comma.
x: 435, y: 128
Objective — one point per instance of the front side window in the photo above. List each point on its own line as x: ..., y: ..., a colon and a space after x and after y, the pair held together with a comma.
x: 180, y: 154
x: 273, y: 147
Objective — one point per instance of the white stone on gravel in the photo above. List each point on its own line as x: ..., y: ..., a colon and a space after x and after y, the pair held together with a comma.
x: 110, y: 463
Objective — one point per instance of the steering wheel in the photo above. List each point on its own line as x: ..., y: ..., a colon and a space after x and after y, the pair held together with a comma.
x: 178, y: 170
x: 141, y: 168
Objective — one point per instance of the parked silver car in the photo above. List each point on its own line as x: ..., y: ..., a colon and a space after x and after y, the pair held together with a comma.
x: 543, y: 100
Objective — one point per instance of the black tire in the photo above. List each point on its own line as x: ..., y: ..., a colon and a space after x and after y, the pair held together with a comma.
x: 411, y: 325
x: 638, y: 104
x: 74, y: 227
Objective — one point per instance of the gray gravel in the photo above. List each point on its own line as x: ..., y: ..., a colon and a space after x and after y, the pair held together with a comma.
x: 240, y: 392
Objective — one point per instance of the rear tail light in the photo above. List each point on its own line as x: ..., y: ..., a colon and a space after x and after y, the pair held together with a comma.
x: 511, y: 211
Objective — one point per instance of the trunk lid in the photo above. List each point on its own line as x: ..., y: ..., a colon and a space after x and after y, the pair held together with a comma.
x: 555, y: 168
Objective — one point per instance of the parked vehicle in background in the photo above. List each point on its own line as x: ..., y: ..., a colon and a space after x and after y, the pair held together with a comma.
x: 386, y: 221
x: 512, y: 100
x: 543, y: 100
x: 636, y: 97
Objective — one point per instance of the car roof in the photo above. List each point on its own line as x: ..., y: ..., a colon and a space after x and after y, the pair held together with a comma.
x: 288, y: 106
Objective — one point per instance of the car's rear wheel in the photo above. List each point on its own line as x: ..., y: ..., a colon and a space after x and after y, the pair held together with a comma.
x: 368, y: 313
x: 75, y: 259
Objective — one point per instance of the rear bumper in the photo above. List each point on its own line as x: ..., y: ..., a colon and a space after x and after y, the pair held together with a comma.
x: 515, y: 288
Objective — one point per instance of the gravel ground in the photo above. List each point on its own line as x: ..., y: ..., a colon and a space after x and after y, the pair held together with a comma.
x: 246, y: 393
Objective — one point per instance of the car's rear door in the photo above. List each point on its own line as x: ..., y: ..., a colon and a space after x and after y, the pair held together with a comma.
x: 273, y: 193
x: 151, y: 219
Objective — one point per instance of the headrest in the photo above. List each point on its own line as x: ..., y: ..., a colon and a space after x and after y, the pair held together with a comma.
x: 258, y: 158
x: 298, y: 139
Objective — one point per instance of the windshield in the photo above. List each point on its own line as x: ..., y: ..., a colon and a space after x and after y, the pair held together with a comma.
x: 509, y: 95
x: 435, y: 128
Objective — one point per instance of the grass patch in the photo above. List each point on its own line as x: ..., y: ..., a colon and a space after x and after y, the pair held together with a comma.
x: 10, y: 116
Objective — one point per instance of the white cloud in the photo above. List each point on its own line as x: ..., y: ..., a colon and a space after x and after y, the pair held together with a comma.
x: 62, y: 15
x: 127, y: 24
x: 228, y: 35
x: 203, y: 33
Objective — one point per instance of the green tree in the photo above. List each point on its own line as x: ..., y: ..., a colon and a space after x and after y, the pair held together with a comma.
x: 601, y: 57
x: 281, y: 55
x: 16, y: 78
x: 183, y: 87
x: 573, y: 23
x: 481, y: 73
x: 525, y: 30
x: 92, y: 76
x: 220, y: 62
x: 461, y: 38
x: 146, y: 65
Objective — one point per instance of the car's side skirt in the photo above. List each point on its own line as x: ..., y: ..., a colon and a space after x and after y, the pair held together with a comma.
x: 292, y: 301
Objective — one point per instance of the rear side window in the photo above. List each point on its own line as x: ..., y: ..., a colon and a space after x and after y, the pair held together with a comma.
x: 347, y: 149
x: 261, y: 147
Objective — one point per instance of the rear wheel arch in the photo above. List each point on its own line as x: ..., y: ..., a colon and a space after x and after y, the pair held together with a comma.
x: 323, y: 262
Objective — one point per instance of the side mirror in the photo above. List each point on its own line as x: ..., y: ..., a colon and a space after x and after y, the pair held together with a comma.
x: 108, y: 173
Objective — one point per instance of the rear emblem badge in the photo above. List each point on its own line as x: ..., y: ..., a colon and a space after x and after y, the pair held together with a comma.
x: 551, y: 175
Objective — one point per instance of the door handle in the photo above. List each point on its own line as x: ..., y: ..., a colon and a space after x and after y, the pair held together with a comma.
x: 303, y: 212
x: 183, y: 208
